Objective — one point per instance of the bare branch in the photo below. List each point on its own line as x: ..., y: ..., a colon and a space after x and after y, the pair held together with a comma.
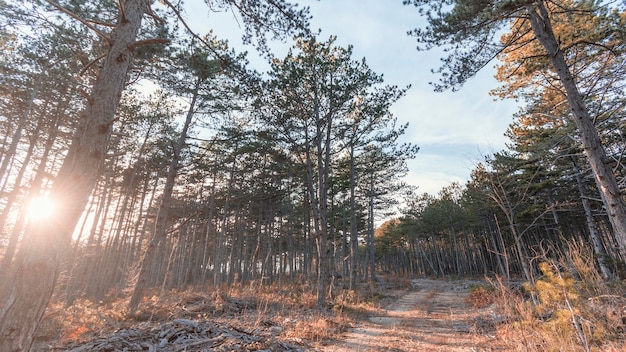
x: 106, y: 24
x: 182, y: 20
x: 121, y: 7
x: 81, y: 20
x: 92, y: 63
x: 193, y: 34
x: 189, y: 218
x: 86, y: 96
x: 157, y: 20
x: 586, y: 42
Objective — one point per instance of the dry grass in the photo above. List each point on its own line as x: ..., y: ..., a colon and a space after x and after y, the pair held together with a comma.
x: 81, y: 319
x: 561, y: 313
x: 558, y: 313
x: 365, y: 300
x: 319, y: 327
x: 480, y: 296
x: 290, y: 310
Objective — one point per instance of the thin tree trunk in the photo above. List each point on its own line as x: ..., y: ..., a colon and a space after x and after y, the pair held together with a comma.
x: 9, y: 153
x: 457, y: 260
x: 160, y: 227
x: 594, y: 234
x: 209, y: 231
x: 321, y: 220
x: 427, y: 260
x: 143, y: 221
x: 218, y: 272
x: 519, y: 246
x: 499, y: 251
x: 354, y: 236
x: 437, y: 254
x: 34, y: 189
x: 370, y: 233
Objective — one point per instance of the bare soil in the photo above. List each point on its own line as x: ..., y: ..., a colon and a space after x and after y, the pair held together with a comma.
x: 431, y: 316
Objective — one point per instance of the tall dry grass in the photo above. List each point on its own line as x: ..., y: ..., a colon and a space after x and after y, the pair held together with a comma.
x: 568, y: 308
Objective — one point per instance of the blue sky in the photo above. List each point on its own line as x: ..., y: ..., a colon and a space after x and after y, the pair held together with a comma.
x: 452, y: 129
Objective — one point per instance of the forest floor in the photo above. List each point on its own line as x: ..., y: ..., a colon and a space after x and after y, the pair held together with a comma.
x: 396, y: 314
x: 432, y: 315
x: 414, y: 315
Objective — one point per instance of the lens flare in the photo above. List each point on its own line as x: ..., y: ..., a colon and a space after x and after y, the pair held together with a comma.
x: 40, y: 208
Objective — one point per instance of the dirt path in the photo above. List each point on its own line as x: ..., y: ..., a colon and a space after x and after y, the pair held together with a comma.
x: 432, y: 316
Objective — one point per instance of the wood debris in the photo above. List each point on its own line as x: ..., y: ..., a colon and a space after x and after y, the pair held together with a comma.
x: 186, y: 335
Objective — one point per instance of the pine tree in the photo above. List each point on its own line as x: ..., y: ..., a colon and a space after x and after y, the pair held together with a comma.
x: 470, y: 31
x: 25, y: 294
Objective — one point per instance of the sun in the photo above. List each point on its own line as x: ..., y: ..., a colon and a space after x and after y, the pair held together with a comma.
x: 40, y: 208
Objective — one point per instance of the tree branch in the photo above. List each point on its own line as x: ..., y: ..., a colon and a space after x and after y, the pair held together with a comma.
x: 196, y: 36
x: 586, y: 42
x: 143, y: 42
x: 120, y: 5
x: 81, y: 20
x: 102, y: 56
x: 157, y: 20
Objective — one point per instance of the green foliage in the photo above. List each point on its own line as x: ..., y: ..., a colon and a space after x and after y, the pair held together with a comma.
x: 468, y: 30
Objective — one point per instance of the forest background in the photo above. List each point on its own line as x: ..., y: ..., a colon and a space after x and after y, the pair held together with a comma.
x: 228, y: 176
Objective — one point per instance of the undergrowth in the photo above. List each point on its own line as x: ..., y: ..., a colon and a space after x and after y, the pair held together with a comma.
x: 290, y: 308
x: 480, y: 296
x: 568, y: 308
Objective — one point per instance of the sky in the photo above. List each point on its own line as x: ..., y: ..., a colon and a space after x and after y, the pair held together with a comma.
x: 454, y: 130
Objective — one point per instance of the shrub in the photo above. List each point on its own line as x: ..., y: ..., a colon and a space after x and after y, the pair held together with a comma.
x: 480, y: 296
x: 559, y: 313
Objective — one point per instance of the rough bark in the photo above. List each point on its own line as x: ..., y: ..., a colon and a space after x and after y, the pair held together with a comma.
x: 26, y: 293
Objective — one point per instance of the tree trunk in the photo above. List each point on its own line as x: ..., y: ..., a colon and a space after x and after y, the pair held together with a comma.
x: 594, y: 234
x: 9, y: 153
x: 519, y: 247
x: 354, y: 236
x: 11, y: 199
x: 426, y: 258
x: 370, y: 233
x: 437, y: 256
x: 208, y: 232
x: 499, y: 252
x: 160, y: 228
x: 26, y: 293
x: 457, y: 260
x: 605, y: 179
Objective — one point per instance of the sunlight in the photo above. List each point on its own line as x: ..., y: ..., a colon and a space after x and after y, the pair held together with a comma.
x: 40, y: 208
